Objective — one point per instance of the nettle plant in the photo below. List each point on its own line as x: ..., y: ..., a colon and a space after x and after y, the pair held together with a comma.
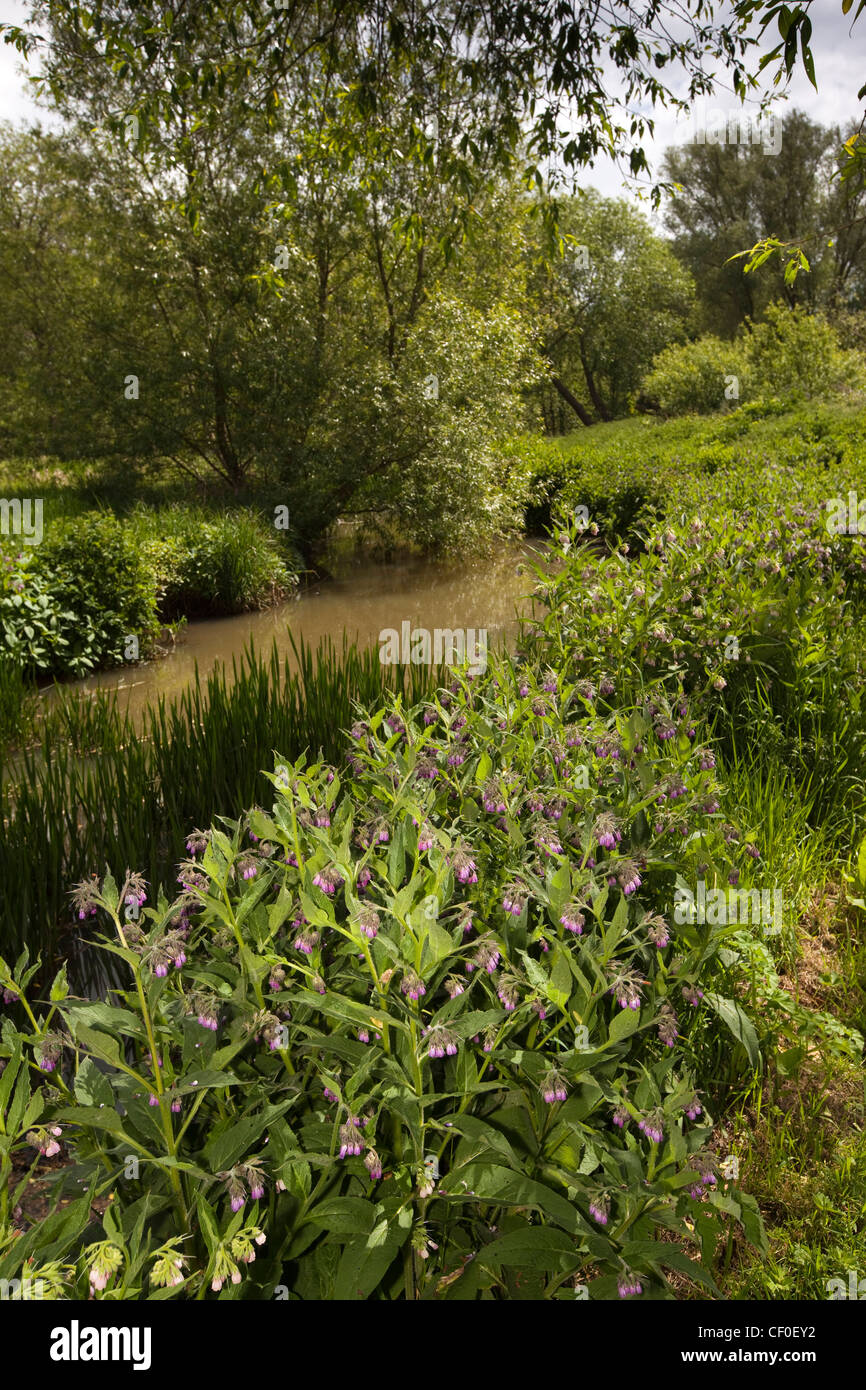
x: 422, y: 1031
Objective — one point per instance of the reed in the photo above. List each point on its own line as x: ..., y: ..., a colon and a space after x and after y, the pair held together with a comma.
x: 95, y: 790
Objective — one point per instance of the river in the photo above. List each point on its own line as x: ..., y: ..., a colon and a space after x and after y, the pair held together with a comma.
x: 362, y: 600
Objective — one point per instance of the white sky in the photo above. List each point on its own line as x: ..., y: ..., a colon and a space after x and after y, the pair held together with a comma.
x: 840, y: 69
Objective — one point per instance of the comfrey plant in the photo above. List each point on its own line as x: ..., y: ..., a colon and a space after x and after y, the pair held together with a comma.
x: 421, y: 1031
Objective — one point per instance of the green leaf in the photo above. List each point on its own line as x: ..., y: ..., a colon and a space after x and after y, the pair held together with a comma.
x: 224, y: 1149
x: 345, y: 1215
x: 92, y: 1087
x: 60, y: 987
x: 739, y: 1024
x: 623, y: 1024
x: 536, y: 1247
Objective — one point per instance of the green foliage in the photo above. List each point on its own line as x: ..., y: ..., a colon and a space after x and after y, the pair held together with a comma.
x: 75, y: 602
x: 697, y: 378
x: 92, y: 787
x: 506, y: 1070
x: 615, y: 298
x: 790, y: 356
x: 225, y: 564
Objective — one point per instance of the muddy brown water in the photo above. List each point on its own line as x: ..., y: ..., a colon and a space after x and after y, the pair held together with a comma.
x: 363, y: 600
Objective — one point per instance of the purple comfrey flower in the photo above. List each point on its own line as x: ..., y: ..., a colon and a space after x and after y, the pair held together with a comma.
x: 694, y: 1108
x: 456, y: 759
x: 553, y: 1088
x: 540, y: 1008
x: 658, y: 932
x: 248, y: 868
x: 606, y: 686
x: 628, y: 1286
x: 257, y: 1188
x: 708, y: 760
x: 467, y: 915
x: 667, y: 1026
x: 426, y: 770
x: 176, y: 1105
x: 492, y: 797
x: 549, y: 682
x: 153, y: 1100
x: 49, y: 1051
x: 514, y: 899
x: 489, y: 1041
x: 318, y: 983
x: 692, y: 995
x: 197, y: 842
x: 621, y: 1117
x: 553, y: 809
x: 665, y: 730
x: 486, y: 957
x: 369, y: 923
x: 573, y: 919
x: 350, y: 1139
x: 441, y: 1042
x: 357, y: 731
x: 599, y: 1210
x: 425, y: 838
x: 328, y: 879
x: 605, y: 832
x: 652, y: 1125
x: 374, y: 1164
x: 628, y: 877
x: 573, y: 736
x: 208, y: 1017
x: 364, y: 876
x: 508, y: 993
x: 307, y: 940
x: 430, y: 714
x: 323, y: 818
x: 276, y: 978
x: 753, y: 851
x: 464, y: 866
x: 453, y: 986
x: 413, y: 986
x: 540, y: 708
x: 329, y: 1094
x: 548, y: 843
x: 363, y: 1035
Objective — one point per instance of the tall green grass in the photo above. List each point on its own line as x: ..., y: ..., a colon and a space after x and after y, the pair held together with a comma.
x: 94, y: 790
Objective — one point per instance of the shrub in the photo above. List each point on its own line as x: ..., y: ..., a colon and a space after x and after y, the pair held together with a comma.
x: 227, y: 565
x: 423, y: 1030
x: 697, y: 378
x: 796, y: 356
x: 74, y: 603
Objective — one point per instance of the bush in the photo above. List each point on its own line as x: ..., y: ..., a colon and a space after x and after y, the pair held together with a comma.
x: 796, y: 356
x: 424, y: 1030
x: 789, y: 356
x: 229, y: 564
x: 697, y: 378
x: 73, y: 604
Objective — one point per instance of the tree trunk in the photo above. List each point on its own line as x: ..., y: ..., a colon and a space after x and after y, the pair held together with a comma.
x: 572, y: 400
